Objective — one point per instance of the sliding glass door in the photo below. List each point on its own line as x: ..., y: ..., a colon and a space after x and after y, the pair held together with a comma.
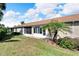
x: 28, y: 30
x: 39, y: 30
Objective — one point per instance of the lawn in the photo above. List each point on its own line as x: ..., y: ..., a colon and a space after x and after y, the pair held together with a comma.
x: 25, y: 46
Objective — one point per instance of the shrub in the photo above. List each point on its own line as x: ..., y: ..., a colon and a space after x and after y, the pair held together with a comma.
x: 16, y: 33
x: 67, y: 43
x: 77, y: 43
x: 3, y: 32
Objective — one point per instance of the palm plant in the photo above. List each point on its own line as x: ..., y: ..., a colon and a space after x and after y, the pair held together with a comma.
x: 2, y: 7
x: 55, y: 27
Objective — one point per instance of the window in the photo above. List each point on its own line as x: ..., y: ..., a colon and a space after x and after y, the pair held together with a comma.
x: 76, y: 23
x: 37, y: 30
x: 40, y: 30
x: 27, y: 30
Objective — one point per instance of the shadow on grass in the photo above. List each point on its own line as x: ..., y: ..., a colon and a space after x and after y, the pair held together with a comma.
x: 8, y: 37
x: 12, y: 41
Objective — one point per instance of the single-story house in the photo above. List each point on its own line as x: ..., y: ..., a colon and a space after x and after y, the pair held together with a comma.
x: 33, y: 29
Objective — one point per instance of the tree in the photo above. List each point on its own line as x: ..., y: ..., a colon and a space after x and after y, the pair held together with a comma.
x: 22, y: 22
x: 54, y: 27
x: 2, y: 7
x: 3, y: 31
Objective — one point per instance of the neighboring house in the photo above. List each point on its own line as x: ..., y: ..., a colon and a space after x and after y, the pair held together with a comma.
x: 34, y: 29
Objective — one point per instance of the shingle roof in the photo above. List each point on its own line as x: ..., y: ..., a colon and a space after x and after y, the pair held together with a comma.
x: 60, y: 19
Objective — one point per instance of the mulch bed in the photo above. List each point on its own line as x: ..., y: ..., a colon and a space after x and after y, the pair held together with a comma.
x: 49, y: 41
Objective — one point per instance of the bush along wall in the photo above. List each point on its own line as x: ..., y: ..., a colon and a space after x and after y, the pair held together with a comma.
x: 67, y: 43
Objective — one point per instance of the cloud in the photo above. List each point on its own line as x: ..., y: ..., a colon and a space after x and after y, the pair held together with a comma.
x: 45, y: 5
x: 70, y: 8
x: 9, y: 22
x: 10, y: 18
x: 32, y: 18
x: 52, y: 16
x: 46, y: 9
x: 11, y: 13
x: 30, y: 12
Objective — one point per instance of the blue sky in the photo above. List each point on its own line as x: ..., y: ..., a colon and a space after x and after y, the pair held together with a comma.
x: 30, y: 12
x: 21, y: 7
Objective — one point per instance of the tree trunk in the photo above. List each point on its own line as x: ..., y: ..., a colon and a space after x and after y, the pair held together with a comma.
x: 55, y: 36
x: 50, y: 33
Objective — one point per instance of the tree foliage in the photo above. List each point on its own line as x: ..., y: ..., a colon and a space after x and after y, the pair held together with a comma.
x: 3, y: 31
x: 54, y: 27
x: 2, y: 7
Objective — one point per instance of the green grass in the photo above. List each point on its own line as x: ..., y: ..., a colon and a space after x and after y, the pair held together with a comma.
x: 24, y: 46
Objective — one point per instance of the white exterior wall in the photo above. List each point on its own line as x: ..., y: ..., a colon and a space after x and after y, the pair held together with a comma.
x: 36, y: 35
x: 14, y: 30
x: 74, y: 29
x: 73, y: 34
x: 18, y: 29
x: 23, y: 30
x: 65, y: 34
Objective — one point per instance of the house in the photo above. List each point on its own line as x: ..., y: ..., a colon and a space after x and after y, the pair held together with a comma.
x: 34, y: 29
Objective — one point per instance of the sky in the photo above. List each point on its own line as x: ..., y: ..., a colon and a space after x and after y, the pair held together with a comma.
x: 30, y: 12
